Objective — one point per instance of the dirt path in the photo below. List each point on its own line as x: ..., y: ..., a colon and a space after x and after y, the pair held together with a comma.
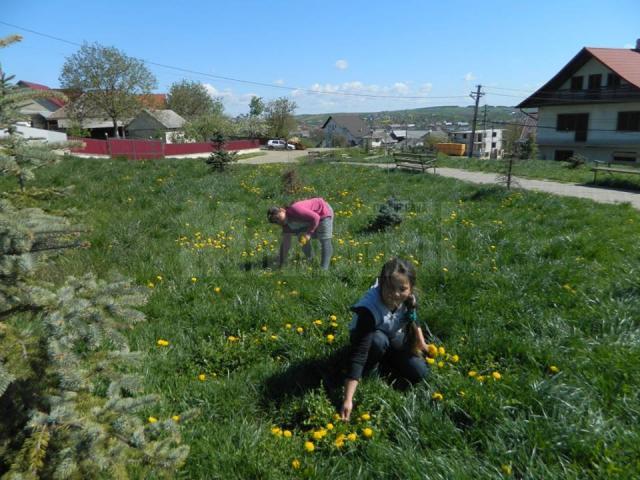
x: 597, y: 194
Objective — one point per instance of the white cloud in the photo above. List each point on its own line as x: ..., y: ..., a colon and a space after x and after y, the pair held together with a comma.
x: 342, y: 64
x: 629, y: 45
x: 278, y: 82
x: 469, y: 77
x: 401, y: 88
x: 425, y: 88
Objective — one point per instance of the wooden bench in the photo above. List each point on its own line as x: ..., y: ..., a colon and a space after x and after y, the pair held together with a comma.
x: 415, y: 161
x: 608, y: 167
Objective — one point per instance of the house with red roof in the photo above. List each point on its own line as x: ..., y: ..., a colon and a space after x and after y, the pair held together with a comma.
x: 591, y: 107
x: 40, y: 109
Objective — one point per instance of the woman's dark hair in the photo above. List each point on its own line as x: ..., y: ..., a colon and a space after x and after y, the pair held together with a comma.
x: 397, y: 265
x: 272, y: 213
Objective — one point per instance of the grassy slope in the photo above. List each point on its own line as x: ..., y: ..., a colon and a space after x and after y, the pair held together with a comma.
x: 531, y: 280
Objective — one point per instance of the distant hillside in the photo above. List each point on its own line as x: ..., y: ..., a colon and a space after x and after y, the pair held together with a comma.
x: 421, y: 117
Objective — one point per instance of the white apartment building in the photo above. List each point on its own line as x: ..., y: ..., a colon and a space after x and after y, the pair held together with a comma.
x: 487, y: 143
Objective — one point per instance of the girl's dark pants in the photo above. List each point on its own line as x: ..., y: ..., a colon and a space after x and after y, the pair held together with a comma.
x: 392, y: 354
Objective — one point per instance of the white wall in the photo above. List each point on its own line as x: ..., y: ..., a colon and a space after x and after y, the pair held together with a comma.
x: 48, y: 136
x: 592, y: 67
x: 603, y: 120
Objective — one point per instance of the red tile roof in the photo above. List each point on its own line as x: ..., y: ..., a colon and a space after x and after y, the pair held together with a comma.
x: 37, y: 86
x: 624, y: 62
x: 155, y: 101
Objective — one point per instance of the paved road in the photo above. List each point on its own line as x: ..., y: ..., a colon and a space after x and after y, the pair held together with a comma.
x: 597, y: 194
x: 277, y: 156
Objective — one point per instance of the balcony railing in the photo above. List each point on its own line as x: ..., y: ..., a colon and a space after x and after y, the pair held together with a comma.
x: 622, y: 93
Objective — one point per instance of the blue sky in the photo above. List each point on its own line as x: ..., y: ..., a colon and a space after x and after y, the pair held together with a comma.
x: 421, y: 49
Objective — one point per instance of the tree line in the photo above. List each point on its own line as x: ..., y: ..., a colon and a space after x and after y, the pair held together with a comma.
x: 105, y: 81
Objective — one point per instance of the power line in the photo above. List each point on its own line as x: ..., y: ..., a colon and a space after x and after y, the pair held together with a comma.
x: 250, y: 82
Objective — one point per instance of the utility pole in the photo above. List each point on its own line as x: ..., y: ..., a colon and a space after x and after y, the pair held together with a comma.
x: 475, y: 95
x: 484, y: 130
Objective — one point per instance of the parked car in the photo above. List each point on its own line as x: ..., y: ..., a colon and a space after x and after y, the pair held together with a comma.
x: 280, y: 144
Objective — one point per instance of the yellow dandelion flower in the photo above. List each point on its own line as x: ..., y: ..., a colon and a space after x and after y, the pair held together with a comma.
x: 430, y: 360
x: 317, y: 323
x: 300, y: 330
x: 441, y: 351
x: 506, y: 469
x: 481, y: 378
x: 263, y: 328
x: 287, y: 325
x: 329, y: 426
x: 175, y: 418
x: 330, y: 338
x: 455, y: 358
x: 232, y: 338
x: 152, y: 419
x: 367, y: 432
x: 287, y: 434
x: 553, y: 369
x: 352, y: 437
x: 194, y: 279
x: 202, y: 377
x: 440, y: 364
x: 273, y: 337
x: 365, y: 417
x: 319, y: 434
x: 159, y: 278
x: 336, y: 416
x: 334, y: 324
x: 333, y: 318
x: 432, y: 350
x: 217, y: 289
x: 162, y: 342
x: 461, y: 393
x: 496, y: 375
x: 309, y: 446
x: 295, y: 464
x: 150, y: 285
x: 437, y: 396
x: 445, y: 269
x: 472, y: 373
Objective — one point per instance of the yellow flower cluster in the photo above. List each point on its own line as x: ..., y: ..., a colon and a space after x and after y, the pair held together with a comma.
x: 220, y: 241
x: 162, y: 342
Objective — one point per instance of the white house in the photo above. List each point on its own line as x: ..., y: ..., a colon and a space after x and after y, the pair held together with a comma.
x: 591, y: 107
x: 487, y: 143
x: 38, y: 109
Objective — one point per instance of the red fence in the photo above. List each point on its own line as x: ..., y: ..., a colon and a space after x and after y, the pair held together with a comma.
x: 147, y: 149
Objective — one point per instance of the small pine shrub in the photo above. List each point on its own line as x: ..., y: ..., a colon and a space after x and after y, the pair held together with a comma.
x: 291, y: 183
x: 389, y: 215
x: 575, y: 161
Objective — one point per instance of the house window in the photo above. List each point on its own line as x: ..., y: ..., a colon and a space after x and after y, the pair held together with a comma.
x: 562, y: 155
x: 576, y: 83
x: 479, y: 137
x: 613, y: 80
x: 595, y: 81
x: 628, y: 121
x: 574, y: 122
x: 624, y: 156
x: 493, y: 134
x: 464, y: 135
x: 493, y: 144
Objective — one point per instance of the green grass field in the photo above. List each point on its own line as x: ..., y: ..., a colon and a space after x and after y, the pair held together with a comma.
x: 512, y: 283
x: 534, y: 169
